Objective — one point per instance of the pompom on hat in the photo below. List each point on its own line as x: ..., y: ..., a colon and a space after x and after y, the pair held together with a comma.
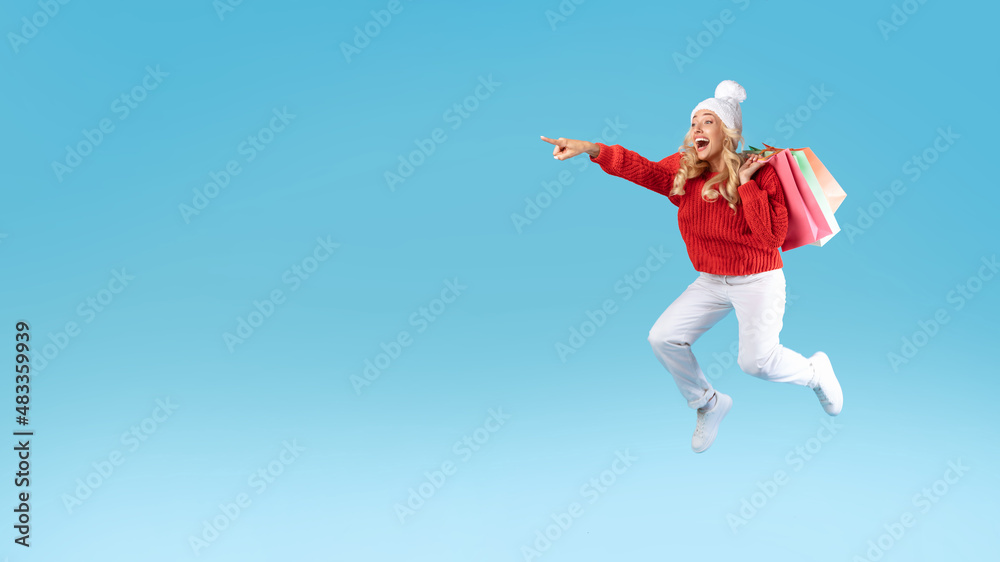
x: 726, y: 104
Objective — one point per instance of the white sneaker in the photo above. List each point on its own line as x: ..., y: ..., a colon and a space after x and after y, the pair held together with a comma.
x: 826, y: 385
x: 708, y: 422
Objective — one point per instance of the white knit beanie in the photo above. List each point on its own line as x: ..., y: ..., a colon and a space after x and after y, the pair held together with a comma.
x: 726, y: 104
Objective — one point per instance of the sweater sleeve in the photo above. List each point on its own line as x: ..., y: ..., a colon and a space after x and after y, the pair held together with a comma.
x: 624, y: 163
x: 764, y: 207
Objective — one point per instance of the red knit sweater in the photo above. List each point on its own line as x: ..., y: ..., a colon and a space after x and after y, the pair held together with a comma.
x: 717, y: 240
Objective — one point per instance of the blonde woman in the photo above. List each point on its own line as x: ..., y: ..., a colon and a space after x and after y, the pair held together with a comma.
x: 732, y: 216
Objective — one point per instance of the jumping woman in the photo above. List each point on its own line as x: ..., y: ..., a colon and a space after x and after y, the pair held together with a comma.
x: 732, y: 216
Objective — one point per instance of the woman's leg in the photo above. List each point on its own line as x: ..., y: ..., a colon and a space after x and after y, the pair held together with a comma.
x: 759, y: 301
x: 697, y: 309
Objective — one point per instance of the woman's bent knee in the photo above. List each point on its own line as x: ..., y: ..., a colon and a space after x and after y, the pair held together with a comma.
x: 752, y: 365
x: 666, y: 340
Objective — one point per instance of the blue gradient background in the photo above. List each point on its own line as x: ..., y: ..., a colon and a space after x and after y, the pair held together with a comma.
x: 494, y: 346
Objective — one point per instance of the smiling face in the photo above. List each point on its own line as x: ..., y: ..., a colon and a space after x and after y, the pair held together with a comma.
x: 707, y: 135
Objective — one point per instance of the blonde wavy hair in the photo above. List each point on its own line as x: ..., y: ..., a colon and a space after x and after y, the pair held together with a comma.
x: 724, y: 183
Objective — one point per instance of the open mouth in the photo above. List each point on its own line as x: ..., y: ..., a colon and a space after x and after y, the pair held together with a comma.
x: 700, y: 144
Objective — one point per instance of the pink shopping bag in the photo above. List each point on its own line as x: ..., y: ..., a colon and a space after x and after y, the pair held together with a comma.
x: 806, y: 223
x: 831, y: 189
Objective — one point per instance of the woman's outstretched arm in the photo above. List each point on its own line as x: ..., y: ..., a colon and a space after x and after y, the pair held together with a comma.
x: 568, y: 148
x: 622, y: 162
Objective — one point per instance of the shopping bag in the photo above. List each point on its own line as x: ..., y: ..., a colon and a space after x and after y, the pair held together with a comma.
x: 806, y: 222
x: 831, y: 189
x: 824, y: 205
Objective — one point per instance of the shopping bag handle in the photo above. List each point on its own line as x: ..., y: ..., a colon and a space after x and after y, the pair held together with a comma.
x: 769, y: 147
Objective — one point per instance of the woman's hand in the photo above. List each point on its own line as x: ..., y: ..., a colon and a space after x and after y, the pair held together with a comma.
x: 750, y: 167
x: 568, y: 148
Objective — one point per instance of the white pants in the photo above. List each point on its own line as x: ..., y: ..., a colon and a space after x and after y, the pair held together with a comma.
x: 759, y: 301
